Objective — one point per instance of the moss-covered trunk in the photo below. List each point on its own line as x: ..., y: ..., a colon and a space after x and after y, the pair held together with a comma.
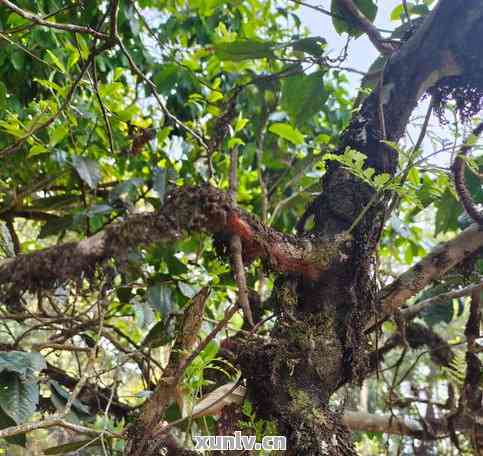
x: 318, y: 342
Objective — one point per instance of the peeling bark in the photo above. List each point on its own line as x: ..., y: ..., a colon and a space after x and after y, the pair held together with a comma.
x: 187, y: 210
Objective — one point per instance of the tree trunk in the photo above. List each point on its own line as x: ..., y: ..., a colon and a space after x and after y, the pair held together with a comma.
x: 318, y: 342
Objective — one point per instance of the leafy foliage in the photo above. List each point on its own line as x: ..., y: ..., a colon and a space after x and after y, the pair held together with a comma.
x: 343, y: 21
x: 92, y: 136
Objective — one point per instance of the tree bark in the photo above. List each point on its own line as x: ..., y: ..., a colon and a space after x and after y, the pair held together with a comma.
x: 326, y: 293
x: 318, y: 343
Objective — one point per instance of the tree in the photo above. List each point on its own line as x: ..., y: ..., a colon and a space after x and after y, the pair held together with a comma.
x: 194, y: 206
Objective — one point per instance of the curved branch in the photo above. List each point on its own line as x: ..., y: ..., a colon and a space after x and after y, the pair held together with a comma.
x: 441, y: 47
x: 361, y: 21
x: 444, y: 257
x: 187, y: 209
x: 41, y: 21
x: 459, y: 177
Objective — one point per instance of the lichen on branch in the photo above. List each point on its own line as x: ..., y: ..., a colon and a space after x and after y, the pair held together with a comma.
x: 187, y: 210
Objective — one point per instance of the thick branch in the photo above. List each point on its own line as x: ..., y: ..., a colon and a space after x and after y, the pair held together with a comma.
x: 367, y: 422
x: 142, y: 433
x: 390, y: 424
x: 444, y: 46
x: 416, y: 336
x: 444, y: 257
x: 187, y: 210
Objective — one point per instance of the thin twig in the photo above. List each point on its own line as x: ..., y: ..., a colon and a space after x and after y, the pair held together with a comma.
x: 260, y: 137
x: 61, y: 347
x: 364, y: 24
x: 240, y: 278
x: 380, y: 100
x: 103, y: 109
x: 21, y: 28
x: 412, y: 311
x: 163, y: 107
x: 406, y: 12
x: 114, y: 13
x: 14, y: 147
x: 221, y: 324
x: 51, y: 422
x: 40, y: 21
x: 236, y: 248
x: 411, y: 161
x: 88, y: 365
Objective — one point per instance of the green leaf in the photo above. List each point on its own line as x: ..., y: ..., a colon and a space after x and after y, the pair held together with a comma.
x: 58, y: 134
x: 159, y: 297
x: 342, y: 20
x: 16, y: 20
x: 3, y: 95
x: 63, y: 396
x: 313, y: 45
x: 286, y: 131
x: 144, y: 314
x: 159, y: 182
x: 18, y: 59
x: 175, y: 266
x: 55, y: 226
x: 187, y: 289
x: 168, y: 75
x: 244, y: 50
x: 50, y: 85
x: 99, y: 209
x: 23, y: 363
x: 441, y: 312
x: 473, y: 179
x: 74, y: 56
x: 37, y: 149
x: 448, y: 210
x: 87, y: 169
x: 5, y: 422
x: 303, y: 96
x: 210, y: 351
x: 160, y: 334
x: 397, y: 12
x: 126, y: 189
x: 67, y: 448
x: 56, y: 61
x: 84, y: 48
x: 19, y: 396
x: 380, y: 180
x: 420, y: 10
